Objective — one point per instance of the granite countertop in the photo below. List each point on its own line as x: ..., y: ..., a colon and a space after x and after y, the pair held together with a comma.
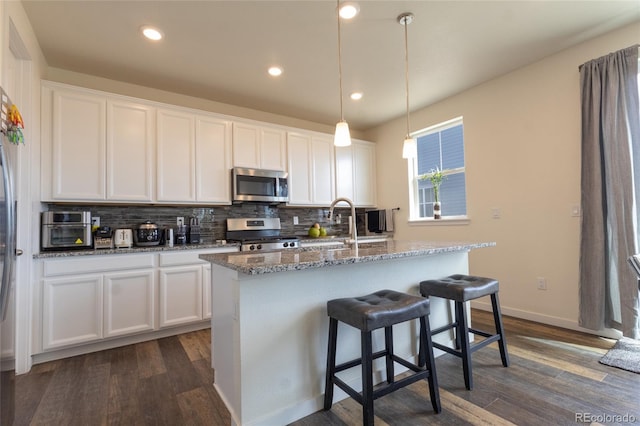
x: 299, y: 259
x: 132, y: 250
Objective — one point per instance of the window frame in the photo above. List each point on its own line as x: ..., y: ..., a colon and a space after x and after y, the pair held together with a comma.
x: 414, y: 208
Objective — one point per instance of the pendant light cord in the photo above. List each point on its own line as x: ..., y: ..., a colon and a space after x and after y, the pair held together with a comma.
x: 406, y: 66
x: 339, y: 59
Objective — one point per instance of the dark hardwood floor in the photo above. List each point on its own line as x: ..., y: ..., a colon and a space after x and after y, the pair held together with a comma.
x: 554, y: 376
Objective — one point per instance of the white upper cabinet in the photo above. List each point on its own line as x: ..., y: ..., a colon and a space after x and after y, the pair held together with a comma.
x: 176, y: 156
x: 213, y: 160
x: 311, y: 169
x: 356, y: 173
x: 259, y: 147
x: 130, y: 151
x: 75, y: 139
x: 194, y: 158
x: 101, y: 147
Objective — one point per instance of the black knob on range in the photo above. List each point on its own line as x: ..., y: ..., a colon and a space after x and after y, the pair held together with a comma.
x: 286, y: 244
x: 259, y: 246
x: 252, y: 247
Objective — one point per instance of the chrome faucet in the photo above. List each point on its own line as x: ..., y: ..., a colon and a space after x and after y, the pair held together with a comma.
x: 354, y: 231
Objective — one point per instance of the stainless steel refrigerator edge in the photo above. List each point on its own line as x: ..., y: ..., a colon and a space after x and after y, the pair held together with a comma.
x: 7, y: 257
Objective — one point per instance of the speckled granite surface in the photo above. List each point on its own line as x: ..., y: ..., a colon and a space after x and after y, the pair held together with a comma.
x: 294, y: 260
x: 133, y: 250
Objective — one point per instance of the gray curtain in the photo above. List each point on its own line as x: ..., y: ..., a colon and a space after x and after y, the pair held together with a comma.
x: 610, y: 192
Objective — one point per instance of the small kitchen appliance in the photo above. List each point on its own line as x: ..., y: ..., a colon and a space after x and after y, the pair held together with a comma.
x: 103, y: 238
x: 181, y: 235
x: 147, y: 234
x: 63, y: 230
x: 123, y: 238
x: 194, y: 231
x: 259, y: 234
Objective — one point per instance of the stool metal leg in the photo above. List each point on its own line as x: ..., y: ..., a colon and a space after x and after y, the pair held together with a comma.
x: 427, y: 357
x: 331, y: 363
x: 367, y: 378
x: 388, y: 341
x: 463, y: 332
x: 497, y: 318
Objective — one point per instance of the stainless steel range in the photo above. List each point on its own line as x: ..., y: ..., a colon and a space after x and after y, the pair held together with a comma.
x: 259, y: 234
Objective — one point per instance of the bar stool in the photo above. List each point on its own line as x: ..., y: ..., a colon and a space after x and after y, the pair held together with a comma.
x: 367, y: 313
x: 461, y: 289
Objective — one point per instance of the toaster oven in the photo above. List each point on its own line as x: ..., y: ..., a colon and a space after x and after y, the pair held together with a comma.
x: 64, y: 230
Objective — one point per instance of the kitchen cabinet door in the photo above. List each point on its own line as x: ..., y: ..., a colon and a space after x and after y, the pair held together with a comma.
x: 129, y: 302
x: 76, y: 150
x: 299, y: 155
x: 175, y: 147
x: 344, y: 172
x: 322, y: 170
x: 364, y: 165
x: 71, y: 310
x: 311, y: 169
x: 130, y: 151
x: 356, y: 173
x: 259, y: 147
x: 213, y: 160
x: 273, y: 149
x: 180, y: 295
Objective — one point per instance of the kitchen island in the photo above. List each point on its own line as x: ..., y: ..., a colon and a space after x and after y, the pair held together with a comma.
x: 269, y: 322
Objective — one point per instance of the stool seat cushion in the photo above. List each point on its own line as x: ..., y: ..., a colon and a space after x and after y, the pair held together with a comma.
x: 383, y: 308
x: 460, y: 288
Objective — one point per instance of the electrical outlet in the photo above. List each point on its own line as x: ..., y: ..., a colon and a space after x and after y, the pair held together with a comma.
x: 95, y: 221
x: 338, y: 219
x: 180, y: 220
x: 496, y: 213
x: 542, y: 283
x: 295, y: 220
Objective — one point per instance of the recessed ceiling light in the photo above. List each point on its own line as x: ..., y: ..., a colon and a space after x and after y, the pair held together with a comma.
x: 151, y: 33
x: 356, y: 96
x: 349, y: 10
x: 275, y: 71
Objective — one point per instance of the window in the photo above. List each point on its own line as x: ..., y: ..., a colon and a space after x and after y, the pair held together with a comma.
x: 439, y: 147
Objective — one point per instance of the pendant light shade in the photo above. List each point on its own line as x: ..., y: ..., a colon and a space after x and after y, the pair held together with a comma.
x: 410, y: 146
x: 342, y: 137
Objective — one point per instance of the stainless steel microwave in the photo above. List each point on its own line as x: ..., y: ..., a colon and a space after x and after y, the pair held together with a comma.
x: 270, y: 186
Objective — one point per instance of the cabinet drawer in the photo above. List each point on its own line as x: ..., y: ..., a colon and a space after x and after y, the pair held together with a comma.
x: 67, y: 266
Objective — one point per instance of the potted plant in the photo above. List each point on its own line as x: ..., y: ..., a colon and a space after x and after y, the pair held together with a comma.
x: 436, y: 177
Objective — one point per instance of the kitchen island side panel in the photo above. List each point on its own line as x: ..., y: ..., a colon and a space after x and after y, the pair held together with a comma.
x: 279, y: 327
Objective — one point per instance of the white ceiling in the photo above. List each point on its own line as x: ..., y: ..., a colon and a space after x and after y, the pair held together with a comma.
x: 220, y: 50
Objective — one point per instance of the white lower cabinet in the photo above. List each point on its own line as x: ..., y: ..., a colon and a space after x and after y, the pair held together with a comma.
x: 72, y: 310
x: 129, y: 302
x: 180, y: 295
x: 91, y: 298
x: 94, y: 299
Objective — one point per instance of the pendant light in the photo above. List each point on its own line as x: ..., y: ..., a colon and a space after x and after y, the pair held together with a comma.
x: 342, y: 136
x: 410, y: 146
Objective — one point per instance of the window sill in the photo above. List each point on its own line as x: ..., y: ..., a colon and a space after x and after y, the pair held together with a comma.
x: 445, y: 221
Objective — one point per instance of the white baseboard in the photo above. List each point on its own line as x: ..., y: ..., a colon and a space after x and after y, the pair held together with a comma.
x: 547, y: 319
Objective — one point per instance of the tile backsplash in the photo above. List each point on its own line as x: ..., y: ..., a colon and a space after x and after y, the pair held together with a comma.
x: 213, y: 218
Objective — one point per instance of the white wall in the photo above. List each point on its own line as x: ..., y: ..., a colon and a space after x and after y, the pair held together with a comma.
x: 522, y: 152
